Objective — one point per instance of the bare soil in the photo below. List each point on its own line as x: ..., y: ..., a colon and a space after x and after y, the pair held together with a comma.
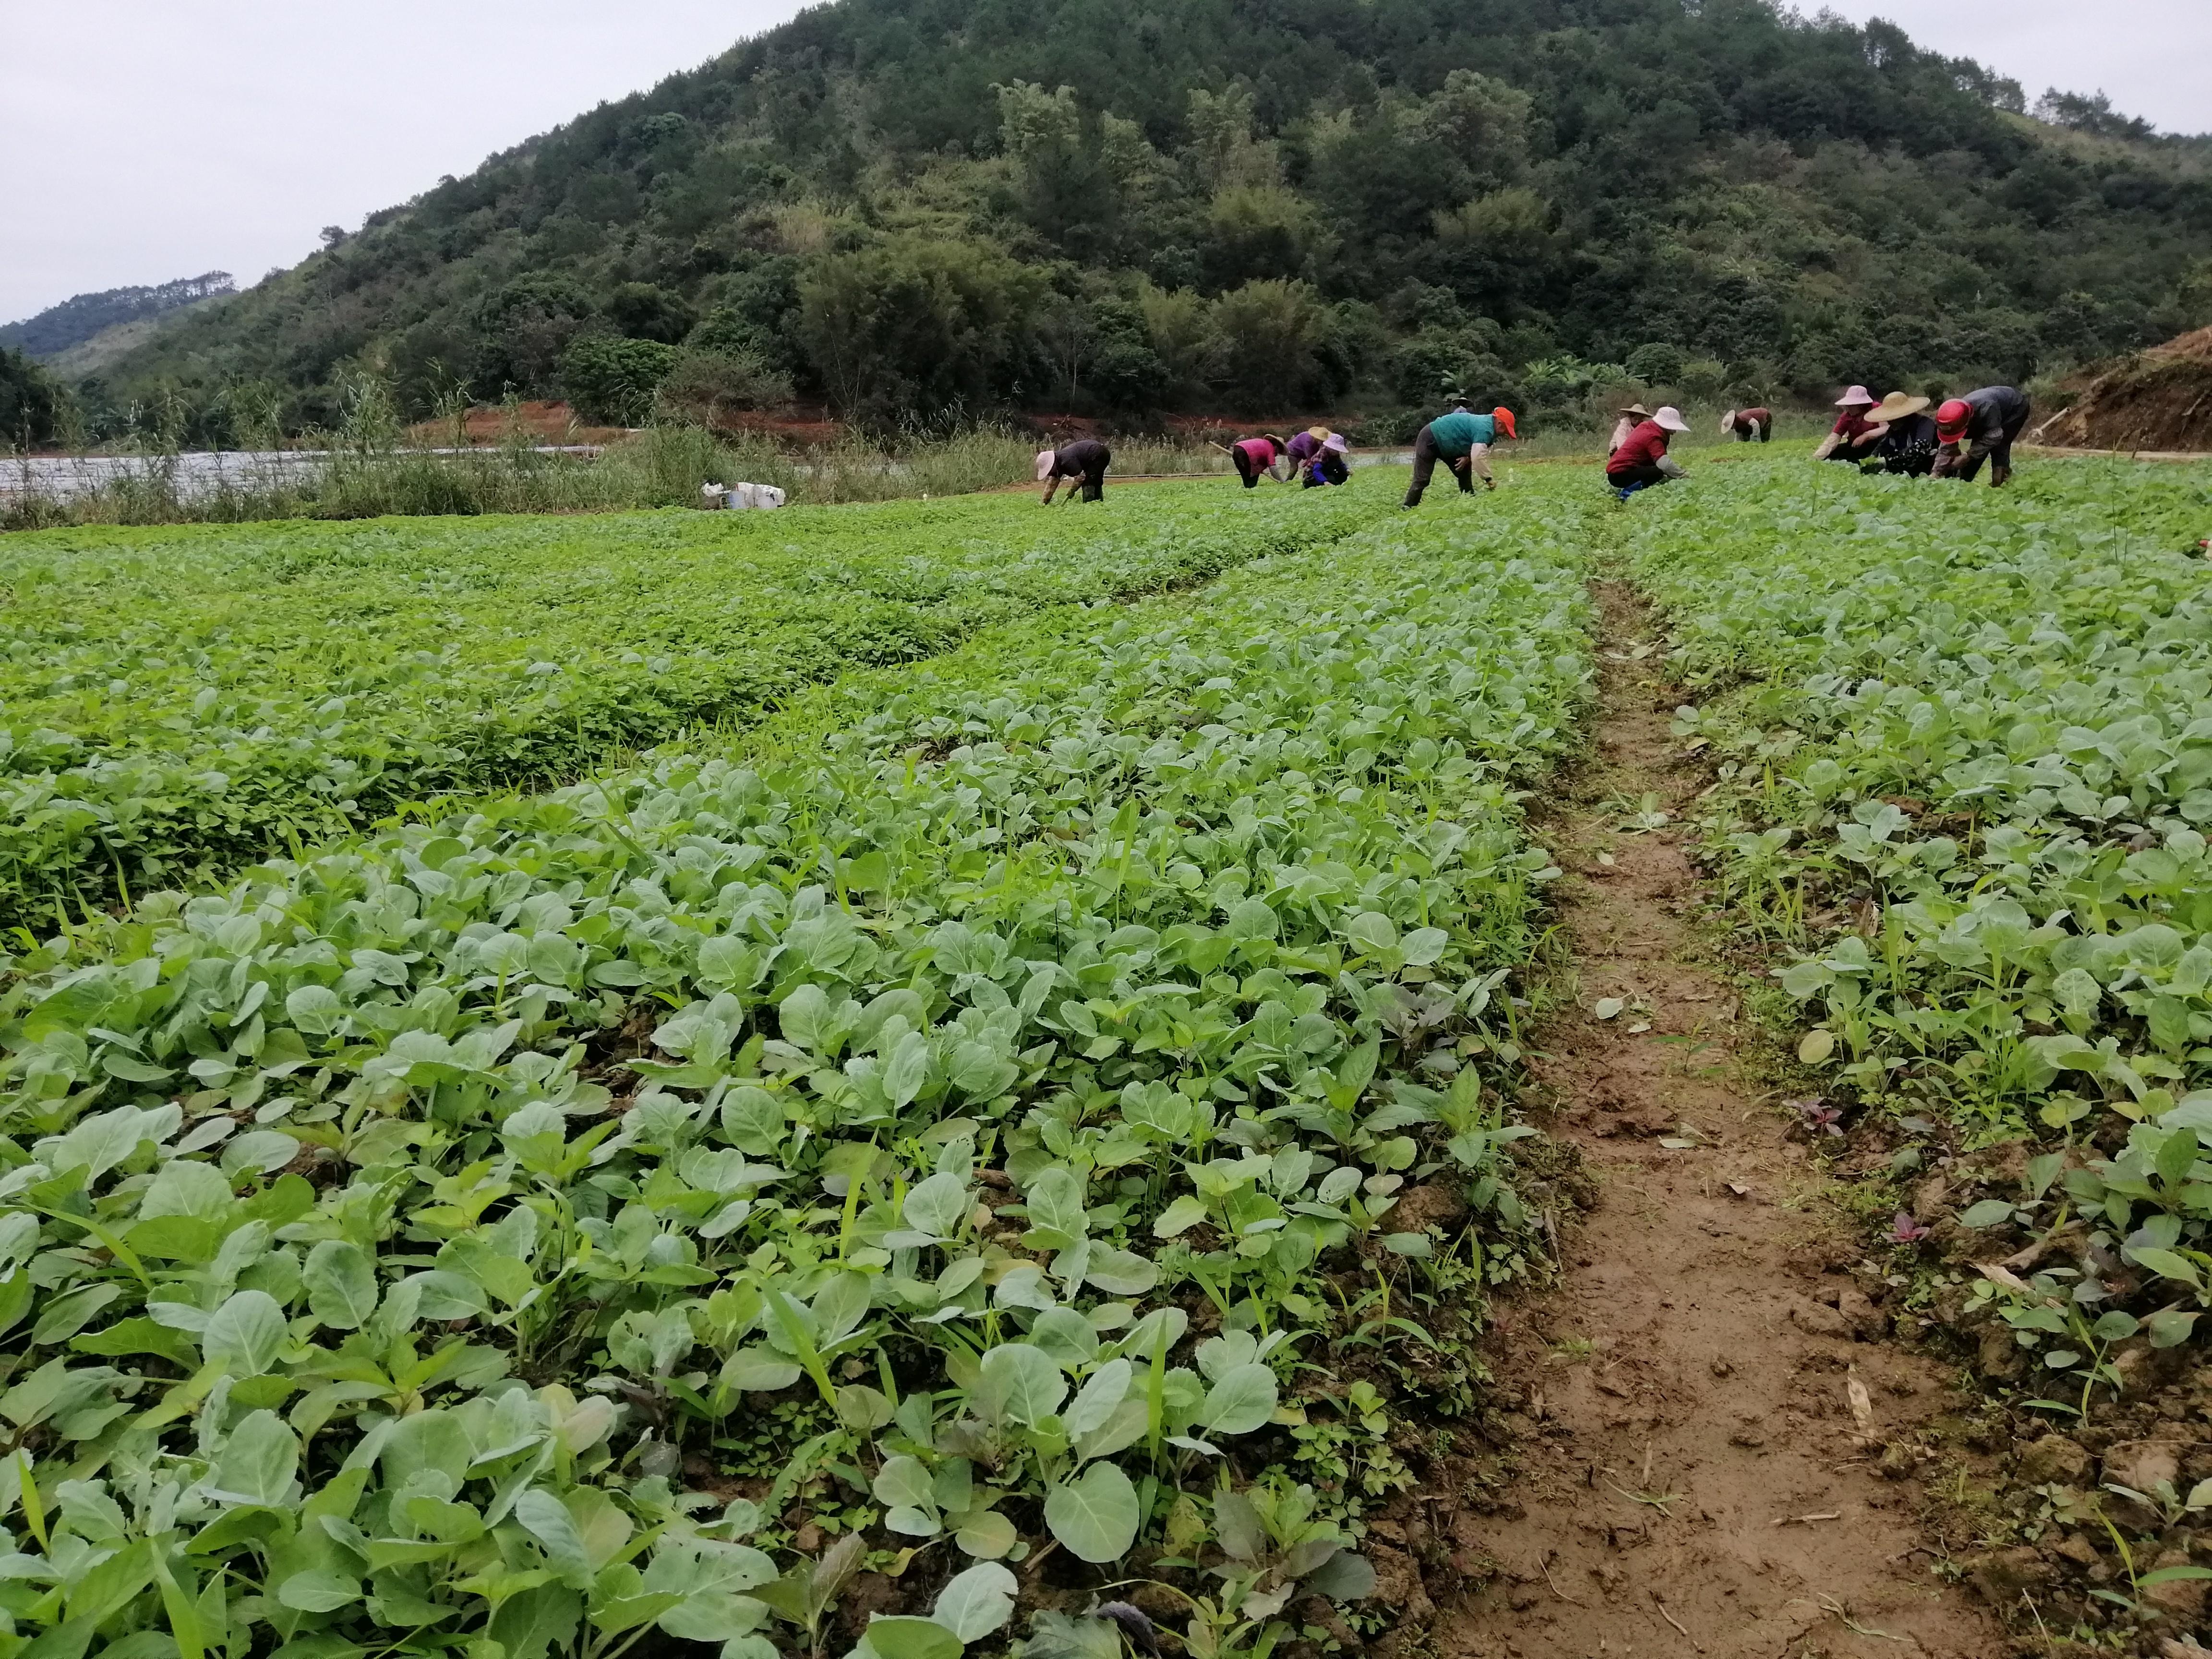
x: 1694, y: 1475
x: 2158, y: 400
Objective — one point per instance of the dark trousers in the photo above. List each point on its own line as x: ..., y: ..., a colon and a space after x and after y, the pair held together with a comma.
x: 1425, y: 468
x: 1094, y: 483
x: 1247, y: 468
x: 1997, y: 450
x: 1643, y: 472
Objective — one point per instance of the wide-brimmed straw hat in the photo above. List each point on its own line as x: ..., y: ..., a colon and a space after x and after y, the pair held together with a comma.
x: 1896, y: 407
x: 1670, y: 417
x: 1637, y: 409
x: 1858, y: 394
x: 1045, y: 460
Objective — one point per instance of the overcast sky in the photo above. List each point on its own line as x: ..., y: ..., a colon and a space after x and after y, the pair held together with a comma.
x: 146, y: 140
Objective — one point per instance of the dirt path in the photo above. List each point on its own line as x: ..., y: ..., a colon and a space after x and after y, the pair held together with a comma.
x: 1693, y: 1478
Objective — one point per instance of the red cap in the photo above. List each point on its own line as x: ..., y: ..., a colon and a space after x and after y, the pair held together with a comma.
x: 1951, y: 419
x: 1504, y: 418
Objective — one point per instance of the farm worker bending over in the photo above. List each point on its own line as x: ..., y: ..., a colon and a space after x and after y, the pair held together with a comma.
x: 1304, y: 446
x: 1644, y: 460
x: 1085, y: 458
x: 1749, y: 426
x: 1461, y: 442
x: 1908, y: 443
x: 1630, y: 417
x: 1854, y: 437
x: 1987, y: 421
x: 1325, y: 463
x: 1256, y: 456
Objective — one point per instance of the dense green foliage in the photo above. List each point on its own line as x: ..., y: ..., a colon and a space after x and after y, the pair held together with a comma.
x: 81, y: 316
x: 930, y: 206
x: 971, y: 1108
x: 31, y: 403
x: 183, y: 702
x: 1979, y: 727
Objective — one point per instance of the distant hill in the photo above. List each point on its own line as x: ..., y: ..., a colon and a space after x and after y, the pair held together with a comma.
x: 77, y: 319
x: 931, y: 209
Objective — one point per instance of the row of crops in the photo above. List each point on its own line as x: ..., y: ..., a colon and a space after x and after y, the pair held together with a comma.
x: 178, y: 702
x: 985, y: 1114
x: 1969, y: 737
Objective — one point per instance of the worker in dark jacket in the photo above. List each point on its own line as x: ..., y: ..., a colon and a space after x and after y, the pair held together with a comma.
x: 1644, y: 461
x: 1749, y: 426
x: 1085, y: 458
x: 1461, y: 442
x: 1987, y: 421
x: 1907, y: 448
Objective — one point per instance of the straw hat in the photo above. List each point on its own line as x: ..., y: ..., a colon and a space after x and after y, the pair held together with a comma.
x: 1671, y: 418
x: 1896, y: 407
x: 1045, y: 458
x: 1637, y: 409
x: 1858, y: 394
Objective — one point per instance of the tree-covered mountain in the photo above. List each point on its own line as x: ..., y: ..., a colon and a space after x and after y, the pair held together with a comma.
x: 921, y: 208
x: 81, y: 316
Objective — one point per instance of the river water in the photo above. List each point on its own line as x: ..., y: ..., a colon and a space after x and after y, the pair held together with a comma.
x: 190, y: 474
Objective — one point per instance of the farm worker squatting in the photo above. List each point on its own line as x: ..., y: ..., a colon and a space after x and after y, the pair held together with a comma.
x: 1644, y: 461
x: 1630, y: 417
x: 1322, y: 457
x: 1987, y: 421
x: 1908, y: 443
x: 1461, y: 442
x: 1856, y: 436
x: 1085, y: 458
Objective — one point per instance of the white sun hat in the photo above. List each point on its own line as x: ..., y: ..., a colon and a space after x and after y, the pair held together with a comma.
x: 1045, y: 460
x: 1671, y: 418
x: 1858, y: 394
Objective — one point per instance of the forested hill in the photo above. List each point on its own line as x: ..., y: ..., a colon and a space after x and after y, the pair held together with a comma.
x: 918, y: 207
x: 81, y: 316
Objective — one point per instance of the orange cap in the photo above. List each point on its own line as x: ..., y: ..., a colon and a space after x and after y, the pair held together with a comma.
x: 1504, y: 418
x: 1951, y: 419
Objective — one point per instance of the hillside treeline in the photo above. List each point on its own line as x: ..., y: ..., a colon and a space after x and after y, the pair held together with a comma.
x: 918, y: 209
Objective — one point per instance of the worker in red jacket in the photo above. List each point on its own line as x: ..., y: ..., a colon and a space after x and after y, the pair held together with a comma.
x: 1642, y: 460
x: 1256, y: 456
x: 1855, y: 435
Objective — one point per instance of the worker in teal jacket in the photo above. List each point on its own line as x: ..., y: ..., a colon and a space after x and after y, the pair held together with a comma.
x: 1460, y: 441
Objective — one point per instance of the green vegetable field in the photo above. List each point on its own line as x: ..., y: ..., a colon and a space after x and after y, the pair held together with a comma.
x: 1971, y: 734
x: 574, y: 1085
x: 485, y: 1228
x: 178, y: 701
